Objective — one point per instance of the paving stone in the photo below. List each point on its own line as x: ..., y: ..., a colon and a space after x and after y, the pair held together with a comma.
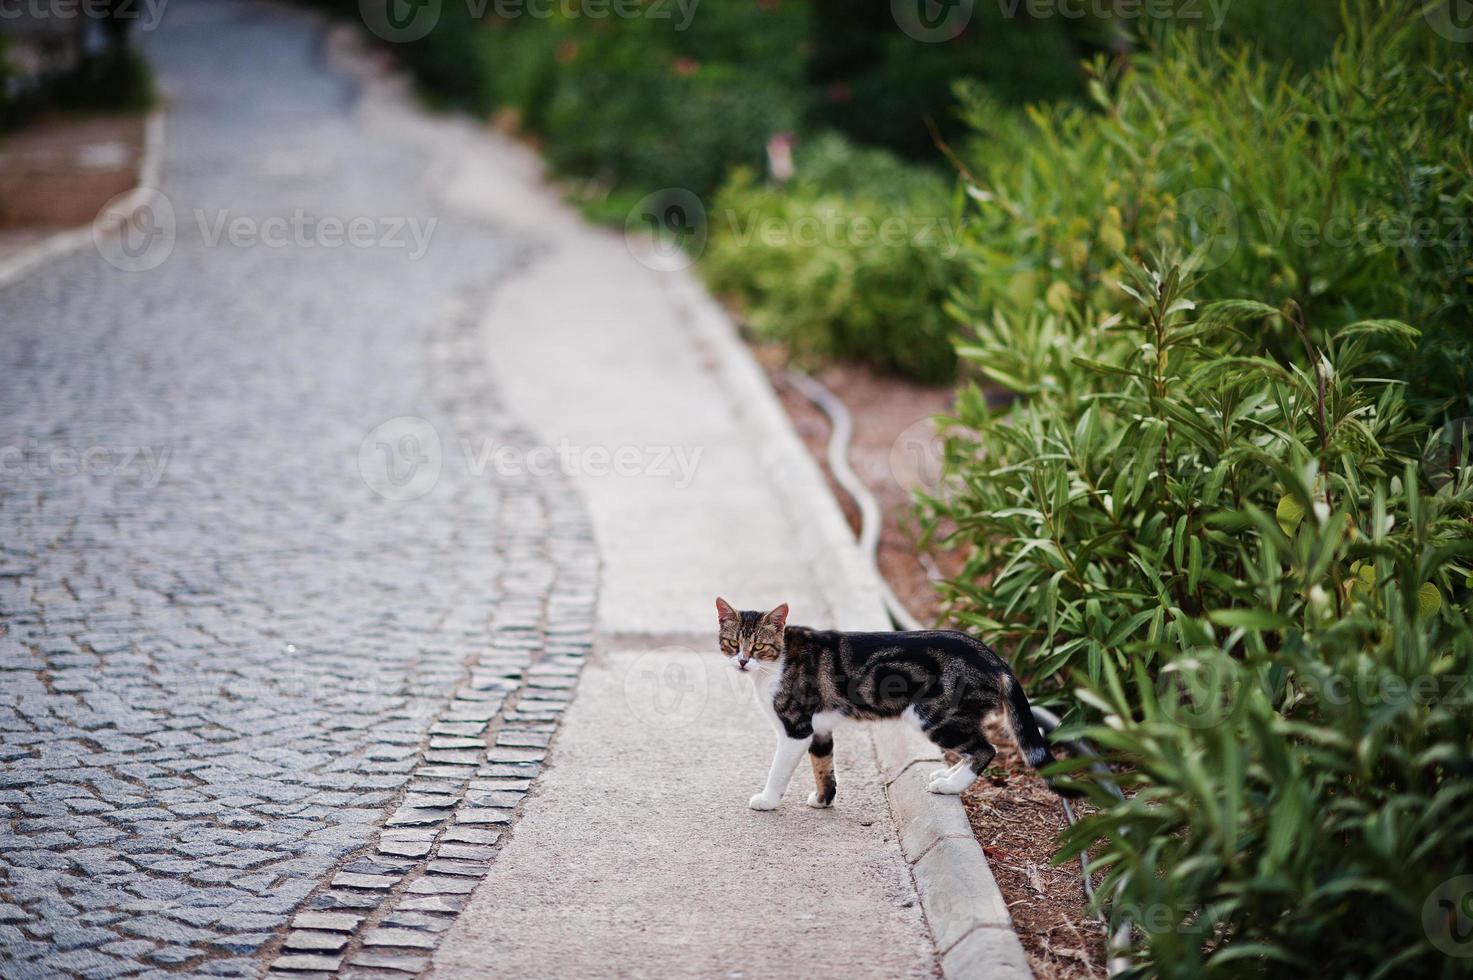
x: 174, y: 955
x: 298, y: 962
x: 493, y: 799
x: 405, y: 919
x: 330, y: 921
x: 380, y: 866
x: 441, y: 885
x: 464, y: 729
x: 314, y: 941
x: 376, y: 882
x: 409, y: 817
x: 243, y: 943
x: 411, y: 938
x: 467, y: 852
x: 469, y: 869
x: 432, y: 903
x: 408, y: 833
x: 456, y: 757
x: 514, y: 771
x: 405, y: 848
x: 501, y: 785
x: 438, y: 801
x: 477, y: 815
x: 524, y: 738
x: 514, y: 755
x: 79, y: 937
x: 456, y: 742
x: 472, y: 835
x: 399, y: 962
x: 339, y: 901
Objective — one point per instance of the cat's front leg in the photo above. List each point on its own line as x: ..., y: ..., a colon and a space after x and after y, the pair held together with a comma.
x: 790, y: 752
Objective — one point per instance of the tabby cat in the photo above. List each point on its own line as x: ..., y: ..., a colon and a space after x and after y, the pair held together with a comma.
x: 806, y: 680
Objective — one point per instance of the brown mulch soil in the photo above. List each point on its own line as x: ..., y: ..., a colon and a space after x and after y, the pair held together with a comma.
x: 1015, y: 816
x: 58, y: 171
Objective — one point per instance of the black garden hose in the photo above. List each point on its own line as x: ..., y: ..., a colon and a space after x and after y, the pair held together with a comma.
x: 842, y: 426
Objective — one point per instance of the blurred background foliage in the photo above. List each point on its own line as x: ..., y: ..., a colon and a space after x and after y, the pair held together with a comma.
x: 1328, y: 161
x: 51, y: 65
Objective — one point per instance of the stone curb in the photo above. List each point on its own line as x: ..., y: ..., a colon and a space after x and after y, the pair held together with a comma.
x: 966, y: 912
x: 150, y: 171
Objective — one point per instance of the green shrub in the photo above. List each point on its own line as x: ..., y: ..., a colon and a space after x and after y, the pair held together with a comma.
x: 637, y: 105
x: 1293, y: 785
x: 113, y: 78
x: 850, y: 260
x: 883, y: 87
x: 1199, y: 542
x: 1314, y: 188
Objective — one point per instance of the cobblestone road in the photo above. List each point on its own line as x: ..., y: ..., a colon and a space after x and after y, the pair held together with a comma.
x: 277, y: 663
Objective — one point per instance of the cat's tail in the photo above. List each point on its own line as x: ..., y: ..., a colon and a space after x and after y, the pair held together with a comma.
x: 1030, y: 739
x: 1035, y: 747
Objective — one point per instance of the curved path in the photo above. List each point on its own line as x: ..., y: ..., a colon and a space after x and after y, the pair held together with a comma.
x: 262, y: 595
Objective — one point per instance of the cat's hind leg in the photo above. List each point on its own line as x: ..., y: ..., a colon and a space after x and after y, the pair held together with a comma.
x: 963, y: 736
x: 821, y: 755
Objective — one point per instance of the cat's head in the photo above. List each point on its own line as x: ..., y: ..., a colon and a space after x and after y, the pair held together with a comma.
x: 748, y: 636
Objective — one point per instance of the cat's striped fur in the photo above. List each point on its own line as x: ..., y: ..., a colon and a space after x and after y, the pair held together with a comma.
x: 946, y: 682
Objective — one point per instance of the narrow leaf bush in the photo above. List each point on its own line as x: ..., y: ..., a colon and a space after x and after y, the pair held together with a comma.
x: 1246, y: 581
x: 852, y: 260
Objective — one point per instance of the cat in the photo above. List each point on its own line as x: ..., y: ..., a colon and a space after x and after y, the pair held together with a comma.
x: 806, y: 680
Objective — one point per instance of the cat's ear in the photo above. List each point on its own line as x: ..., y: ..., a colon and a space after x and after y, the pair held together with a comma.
x: 724, y: 610
x: 778, y: 617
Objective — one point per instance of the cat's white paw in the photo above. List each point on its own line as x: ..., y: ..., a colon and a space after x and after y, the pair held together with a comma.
x: 952, y: 783
x: 763, y: 802
x: 939, y: 774
x: 944, y: 786
x: 817, y: 803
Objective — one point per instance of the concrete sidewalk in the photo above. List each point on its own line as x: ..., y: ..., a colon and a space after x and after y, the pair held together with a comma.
x: 636, y: 854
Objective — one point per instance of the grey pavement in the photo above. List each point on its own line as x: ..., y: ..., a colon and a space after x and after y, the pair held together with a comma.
x: 277, y: 644
x: 637, y: 855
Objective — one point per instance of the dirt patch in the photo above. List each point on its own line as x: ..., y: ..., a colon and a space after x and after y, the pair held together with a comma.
x: 893, y: 452
x: 1017, y: 820
x: 1016, y: 817
x: 58, y: 172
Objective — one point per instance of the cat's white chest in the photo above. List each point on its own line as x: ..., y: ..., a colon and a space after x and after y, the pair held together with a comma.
x: 765, y: 685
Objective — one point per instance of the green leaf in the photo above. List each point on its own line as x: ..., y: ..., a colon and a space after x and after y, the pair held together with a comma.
x: 1388, y: 329
x: 1429, y: 600
x: 1251, y: 619
x: 1229, y: 312
x: 1289, y: 512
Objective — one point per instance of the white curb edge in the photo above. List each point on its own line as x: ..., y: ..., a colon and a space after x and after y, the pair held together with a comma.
x: 150, y: 172
x: 966, y: 911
